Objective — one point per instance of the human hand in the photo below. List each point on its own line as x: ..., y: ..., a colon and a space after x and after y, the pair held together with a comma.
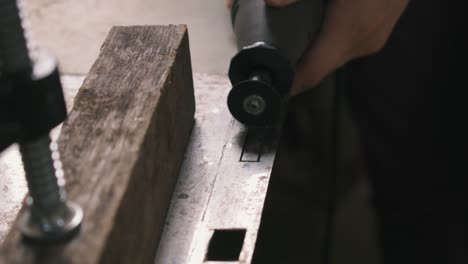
x: 350, y: 29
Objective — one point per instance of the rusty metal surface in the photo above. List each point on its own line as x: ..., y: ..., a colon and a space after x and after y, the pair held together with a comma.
x: 185, y: 228
x: 215, y: 191
x: 198, y: 171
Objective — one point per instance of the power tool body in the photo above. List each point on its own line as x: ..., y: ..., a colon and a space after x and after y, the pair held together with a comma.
x: 271, y: 41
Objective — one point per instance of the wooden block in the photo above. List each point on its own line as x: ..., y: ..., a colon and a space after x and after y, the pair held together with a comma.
x: 122, y: 147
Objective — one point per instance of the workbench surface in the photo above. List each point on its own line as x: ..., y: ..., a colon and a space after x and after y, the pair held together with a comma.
x: 216, y: 192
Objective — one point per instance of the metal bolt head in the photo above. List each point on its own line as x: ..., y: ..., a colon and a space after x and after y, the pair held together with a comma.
x: 56, y: 226
x: 254, y: 104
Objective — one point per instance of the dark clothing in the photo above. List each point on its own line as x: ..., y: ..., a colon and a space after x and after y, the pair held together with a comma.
x: 409, y: 102
x: 410, y: 106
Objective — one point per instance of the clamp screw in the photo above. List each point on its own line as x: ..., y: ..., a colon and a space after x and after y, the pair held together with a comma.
x: 49, y: 217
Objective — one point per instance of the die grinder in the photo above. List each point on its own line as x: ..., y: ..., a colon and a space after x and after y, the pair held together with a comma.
x: 271, y: 41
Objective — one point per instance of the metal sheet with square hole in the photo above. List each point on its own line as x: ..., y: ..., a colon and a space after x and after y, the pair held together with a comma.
x: 219, y: 198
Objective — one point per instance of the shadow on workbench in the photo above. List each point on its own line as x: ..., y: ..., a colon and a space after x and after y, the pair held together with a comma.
x: 293, y: 221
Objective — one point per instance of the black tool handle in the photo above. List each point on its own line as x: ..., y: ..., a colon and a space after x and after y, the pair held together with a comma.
x: 289, y: 29
x: 271, y: 40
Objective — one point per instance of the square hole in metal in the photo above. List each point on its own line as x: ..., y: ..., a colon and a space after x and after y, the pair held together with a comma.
x: 225, y: 245
x: 252, y: 147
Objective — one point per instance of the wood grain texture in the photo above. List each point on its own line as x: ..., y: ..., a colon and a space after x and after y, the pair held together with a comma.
x: 122, y: 147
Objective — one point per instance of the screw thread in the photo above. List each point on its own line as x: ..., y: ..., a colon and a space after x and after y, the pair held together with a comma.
x: 42, y: 167
x: 51, y: 216
x: 16, y: 55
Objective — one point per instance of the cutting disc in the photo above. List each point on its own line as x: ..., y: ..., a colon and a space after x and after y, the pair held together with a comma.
x: 270, y: 103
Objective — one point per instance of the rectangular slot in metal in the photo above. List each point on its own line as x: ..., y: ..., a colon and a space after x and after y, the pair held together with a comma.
x: 252, y: 147
x: 225, y: 245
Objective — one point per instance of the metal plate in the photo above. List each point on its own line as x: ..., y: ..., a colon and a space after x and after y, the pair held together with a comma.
x: 217, y: 189
x: 222, y: 184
